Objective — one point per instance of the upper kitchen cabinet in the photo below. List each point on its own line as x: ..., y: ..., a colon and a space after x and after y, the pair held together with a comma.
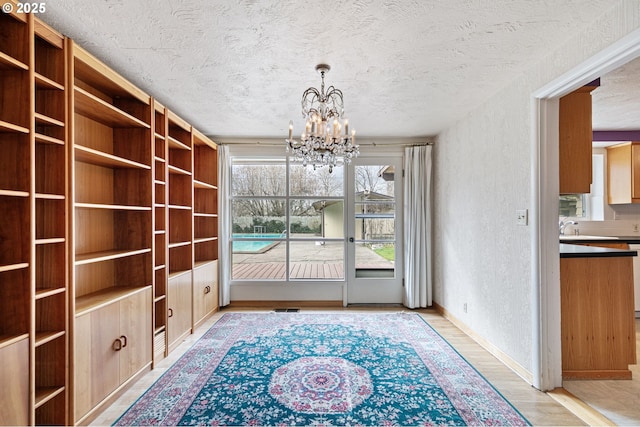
x: 575, y: 141
x: 623, y: 173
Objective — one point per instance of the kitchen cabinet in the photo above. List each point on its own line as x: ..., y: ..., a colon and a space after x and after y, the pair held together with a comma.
x: 113, y: 343
x: 597, y: 313
x: 575, y: 140
x: 623, y: 173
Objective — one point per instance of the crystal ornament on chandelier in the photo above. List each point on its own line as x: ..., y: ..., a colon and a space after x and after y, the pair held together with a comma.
x: 326, y: 136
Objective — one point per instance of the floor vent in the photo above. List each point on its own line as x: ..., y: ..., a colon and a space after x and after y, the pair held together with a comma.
x: 286, y: 310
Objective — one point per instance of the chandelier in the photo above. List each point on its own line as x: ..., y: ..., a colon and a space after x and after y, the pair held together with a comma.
x: 326, y: 137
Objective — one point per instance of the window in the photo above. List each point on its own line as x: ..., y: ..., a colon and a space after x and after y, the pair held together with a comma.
x: 287, y: 221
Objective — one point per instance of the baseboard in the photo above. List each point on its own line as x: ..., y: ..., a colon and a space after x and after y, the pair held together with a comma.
x: 578, y: 408
x: 495, y: 351
x: 283, y: 304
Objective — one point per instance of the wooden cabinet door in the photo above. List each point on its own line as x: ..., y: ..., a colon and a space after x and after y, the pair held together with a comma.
x: 179, y: 303
x: 14, y: 384
x: 205, y: 290
x: 96, y: 358
x: 136, y: 333
x: 635, y: 172
x: 575, y: 141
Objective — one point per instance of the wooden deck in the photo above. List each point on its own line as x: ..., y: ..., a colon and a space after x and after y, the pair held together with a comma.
x: 276, y: 270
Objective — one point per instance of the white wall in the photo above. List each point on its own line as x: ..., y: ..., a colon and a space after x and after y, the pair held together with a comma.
x: 482, y: 176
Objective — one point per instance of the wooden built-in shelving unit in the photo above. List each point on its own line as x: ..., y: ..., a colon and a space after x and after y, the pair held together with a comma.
x: 179, y: 229
x: 51, y: 188
x: 109, y: 234
x: 160, y: 218
x: 17, y: 226
x: 112, y: 230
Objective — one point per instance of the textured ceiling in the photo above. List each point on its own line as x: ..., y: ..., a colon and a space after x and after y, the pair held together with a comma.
x: 616, y: 103
x: 237, y: 68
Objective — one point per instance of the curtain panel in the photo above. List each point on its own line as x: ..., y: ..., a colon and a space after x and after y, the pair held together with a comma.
x: 418, y: 287
x: 224, y: 225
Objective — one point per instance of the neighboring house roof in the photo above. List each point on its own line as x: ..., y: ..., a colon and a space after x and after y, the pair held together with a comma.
x: 360, y: 196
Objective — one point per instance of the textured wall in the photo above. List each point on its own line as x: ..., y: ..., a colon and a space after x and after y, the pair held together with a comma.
x: 482, y: 169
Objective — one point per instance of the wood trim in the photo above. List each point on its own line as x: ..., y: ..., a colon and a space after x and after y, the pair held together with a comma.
x: 499, y: 354
x: 283, y: 304
x: 105, y: 72
x: 175, y: 119
x: 199, y: 137
x: 597, y: 374
x: 47, y: 33
x: 580, y: 409
x: 97, y: 410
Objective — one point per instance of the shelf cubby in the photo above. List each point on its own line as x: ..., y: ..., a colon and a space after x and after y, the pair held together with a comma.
x: 116, y: 142
x: 179, y: 190
x: 50, y: 217
x: 161, y: 283
x: 50, y: 165
x: 15, y: 247
x: 180, y: 258
x: 50, y: 317
x: 51, y: 266
x: 14, y: 296
x: 161, y: 247
x: 113, y: 186
x: 50, y: 404
x: 109, y: 273
x: 206, y: 251
x: 14, y: 75
x: 15, y: 162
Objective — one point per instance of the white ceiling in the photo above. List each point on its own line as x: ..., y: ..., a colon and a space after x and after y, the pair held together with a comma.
x: 237, y: 68
x: 616, y: 103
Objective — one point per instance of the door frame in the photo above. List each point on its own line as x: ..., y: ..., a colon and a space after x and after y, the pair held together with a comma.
x: 545, y: 256
x: 396, y: 159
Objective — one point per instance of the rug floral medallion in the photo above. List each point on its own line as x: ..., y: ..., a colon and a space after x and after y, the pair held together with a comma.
x: 327, y: 369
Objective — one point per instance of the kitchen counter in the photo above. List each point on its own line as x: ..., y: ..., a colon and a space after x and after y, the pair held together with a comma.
x: 597, y: 310
x: 581, y: 251
x: 632, y: 240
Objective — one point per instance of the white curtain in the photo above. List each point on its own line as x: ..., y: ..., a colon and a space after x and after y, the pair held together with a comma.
x: 224, y: 218
x: 418, y: 287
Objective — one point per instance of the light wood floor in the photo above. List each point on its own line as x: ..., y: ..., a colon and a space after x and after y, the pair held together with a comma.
x: 618, y: 400
x: 538, y: 407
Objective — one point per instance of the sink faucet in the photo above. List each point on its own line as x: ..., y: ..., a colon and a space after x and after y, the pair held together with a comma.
x: 563, y: 224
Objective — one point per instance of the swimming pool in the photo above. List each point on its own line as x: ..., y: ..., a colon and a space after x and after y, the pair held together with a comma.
x: 253, y: 246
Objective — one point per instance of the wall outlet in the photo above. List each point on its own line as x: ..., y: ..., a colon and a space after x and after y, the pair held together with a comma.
x: 636, y: 228
x: 522, y: 216
x: 464, y: 307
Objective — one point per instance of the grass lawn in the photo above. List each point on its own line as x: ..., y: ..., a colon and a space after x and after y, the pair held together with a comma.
x: 387, y: 252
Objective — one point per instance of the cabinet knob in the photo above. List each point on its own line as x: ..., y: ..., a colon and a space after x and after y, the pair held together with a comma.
x: 117, y: 345
x: 170, y: 312
x: 124, y: 340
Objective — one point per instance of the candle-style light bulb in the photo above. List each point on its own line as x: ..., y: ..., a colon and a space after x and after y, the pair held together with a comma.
x: 346, y: 126
x: 290, y: 129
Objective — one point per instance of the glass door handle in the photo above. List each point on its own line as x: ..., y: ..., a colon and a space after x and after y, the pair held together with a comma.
x: 351, y: 239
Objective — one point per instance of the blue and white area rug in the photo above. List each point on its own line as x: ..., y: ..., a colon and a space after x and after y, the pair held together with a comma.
x: 329, y: 369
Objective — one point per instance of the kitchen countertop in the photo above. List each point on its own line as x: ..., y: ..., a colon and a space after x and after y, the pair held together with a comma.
x: 580, y: 251
x: 632, y: 240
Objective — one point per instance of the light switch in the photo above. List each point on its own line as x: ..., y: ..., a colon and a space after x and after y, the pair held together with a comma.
x: 522, y: 217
